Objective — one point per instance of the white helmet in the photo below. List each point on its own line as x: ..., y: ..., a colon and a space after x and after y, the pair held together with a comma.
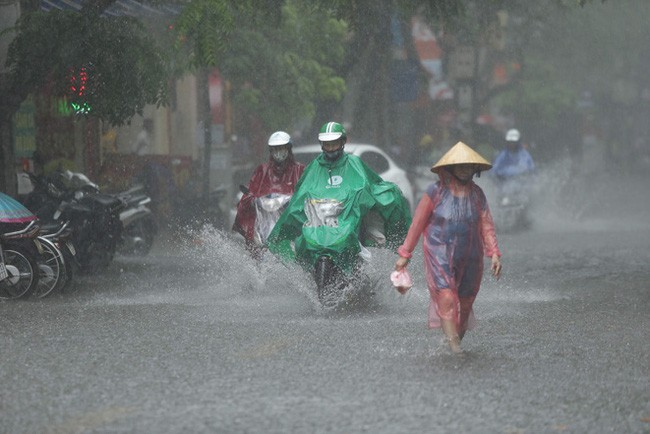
x: 513, y: 135
x: 279, y: 138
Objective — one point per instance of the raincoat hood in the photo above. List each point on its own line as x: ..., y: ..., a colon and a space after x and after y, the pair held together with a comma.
x: 279, y: 167
x: 341, y: 161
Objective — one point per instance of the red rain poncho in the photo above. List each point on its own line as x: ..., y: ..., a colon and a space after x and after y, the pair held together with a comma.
x: 268, y: 177
x: 458, y: 231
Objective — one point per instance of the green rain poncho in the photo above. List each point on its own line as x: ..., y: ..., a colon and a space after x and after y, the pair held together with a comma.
x: 327, y: 210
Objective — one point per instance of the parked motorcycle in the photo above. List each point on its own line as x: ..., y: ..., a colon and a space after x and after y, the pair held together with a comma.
x: 138, y: 224
x: 56, y: 239
x: 96, y: 228
x: 50, y: 268
x: 48, y: 257
x: 19, y: 253
x: 93, y: 217
x: 139, y: 227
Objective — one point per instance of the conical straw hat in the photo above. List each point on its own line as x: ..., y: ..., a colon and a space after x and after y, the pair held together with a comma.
x: 460, y: 153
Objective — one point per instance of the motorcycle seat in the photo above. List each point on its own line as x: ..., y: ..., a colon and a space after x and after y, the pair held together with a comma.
x: 49, y: 227
x: 135, y: 199
x: 106, y: 200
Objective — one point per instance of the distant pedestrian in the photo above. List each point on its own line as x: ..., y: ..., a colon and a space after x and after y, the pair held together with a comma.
x: 458, y: 231
x: 143, y: 143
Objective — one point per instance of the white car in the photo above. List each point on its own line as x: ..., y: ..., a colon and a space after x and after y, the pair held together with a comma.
x: 373, y: 156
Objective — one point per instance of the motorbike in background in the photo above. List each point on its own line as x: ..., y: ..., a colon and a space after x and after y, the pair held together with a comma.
x: 513, y: 203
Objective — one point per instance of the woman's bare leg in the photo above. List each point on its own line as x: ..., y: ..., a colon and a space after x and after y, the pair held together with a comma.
x: 451, y: 333
x: 465, y: 311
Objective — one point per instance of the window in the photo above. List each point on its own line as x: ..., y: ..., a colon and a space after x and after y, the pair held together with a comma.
x: 376, y: 161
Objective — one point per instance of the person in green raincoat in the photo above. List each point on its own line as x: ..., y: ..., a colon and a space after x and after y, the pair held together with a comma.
x: 339, y: 205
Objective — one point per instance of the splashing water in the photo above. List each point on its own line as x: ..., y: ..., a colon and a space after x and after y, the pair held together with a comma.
x: 225, y: 261
x: 566, y: 198
x: 222, y: 260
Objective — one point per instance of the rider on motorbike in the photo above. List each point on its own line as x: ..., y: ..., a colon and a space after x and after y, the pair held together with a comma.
x: 512, y: 166
x: 330, y: 214
x: 279, y: 175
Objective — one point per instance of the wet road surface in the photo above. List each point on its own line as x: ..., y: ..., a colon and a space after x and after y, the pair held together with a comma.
x: 199, y: 339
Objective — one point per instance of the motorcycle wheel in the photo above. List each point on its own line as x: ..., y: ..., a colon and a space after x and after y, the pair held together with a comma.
x: 50, y: 267
x: 22, y: 277
x: 145, y: 230
x: 69, y: 268
x: 328, y: 281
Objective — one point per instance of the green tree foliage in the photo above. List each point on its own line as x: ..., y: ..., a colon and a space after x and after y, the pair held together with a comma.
x: 465, y: 22
x: 368, y: 63
x: 280, y: 56
x: 203, y: 31
x: 284, y: 57
x: 538, y: 97
x: 280, y: 70
x: 124, y: 68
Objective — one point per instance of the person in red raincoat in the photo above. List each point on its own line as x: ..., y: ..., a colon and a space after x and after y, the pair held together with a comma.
x: 458, y: 230
x: 278, y: 175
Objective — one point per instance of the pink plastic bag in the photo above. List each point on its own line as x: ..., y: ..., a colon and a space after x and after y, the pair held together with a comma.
x: 401, y: 280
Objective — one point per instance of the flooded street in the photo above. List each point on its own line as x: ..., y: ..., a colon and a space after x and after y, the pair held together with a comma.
x: 319, y: 125
x: 200, y: 339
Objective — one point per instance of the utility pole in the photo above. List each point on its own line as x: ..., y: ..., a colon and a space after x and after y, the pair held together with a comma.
x: 204, y: 112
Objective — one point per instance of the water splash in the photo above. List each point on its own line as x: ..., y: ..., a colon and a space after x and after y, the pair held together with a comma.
x: 224, y: 259
x: 567, y: 198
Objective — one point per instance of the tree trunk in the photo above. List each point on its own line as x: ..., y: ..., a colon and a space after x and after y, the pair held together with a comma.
x: 204, y: 113
x: 8, y: 178
x: 9, y: 103
x: 367, y: 104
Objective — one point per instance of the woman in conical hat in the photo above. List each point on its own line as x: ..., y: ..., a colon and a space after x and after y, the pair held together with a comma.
x: 458, y: 230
